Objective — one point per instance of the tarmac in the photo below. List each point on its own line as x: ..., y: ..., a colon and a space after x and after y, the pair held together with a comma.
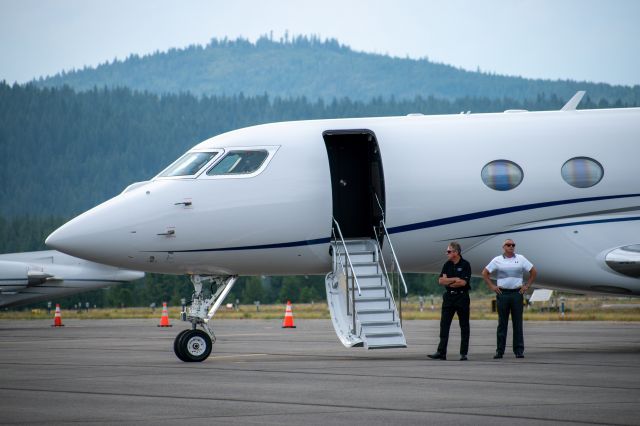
x: 125, y: 372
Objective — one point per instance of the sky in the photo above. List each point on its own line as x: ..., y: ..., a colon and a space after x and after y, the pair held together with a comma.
x: 584, y: 40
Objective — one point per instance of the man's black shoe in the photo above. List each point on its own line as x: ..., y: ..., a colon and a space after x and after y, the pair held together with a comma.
x: 498, y: 355
x: 463, y: 358
x: 438, y: 355
x: 519, y: 355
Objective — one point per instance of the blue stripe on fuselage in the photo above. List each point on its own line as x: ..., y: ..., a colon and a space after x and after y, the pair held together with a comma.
x: 498, y: 212
x: 557, y: 225
x: 258, y: 247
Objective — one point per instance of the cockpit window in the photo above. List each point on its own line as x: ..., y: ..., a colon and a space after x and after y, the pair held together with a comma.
x: 189, y: 164
x: 239, y: 162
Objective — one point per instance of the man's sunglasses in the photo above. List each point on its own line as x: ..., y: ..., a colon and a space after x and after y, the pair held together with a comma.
x: 510, y: 245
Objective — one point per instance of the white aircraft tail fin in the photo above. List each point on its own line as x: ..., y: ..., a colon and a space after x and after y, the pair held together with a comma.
x: 574, y: 101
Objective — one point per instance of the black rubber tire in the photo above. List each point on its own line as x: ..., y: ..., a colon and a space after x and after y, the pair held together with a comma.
x: 177, y: 347
x: 195, y: 345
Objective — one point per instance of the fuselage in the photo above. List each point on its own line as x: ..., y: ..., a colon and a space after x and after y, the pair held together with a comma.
x: 435, y: 174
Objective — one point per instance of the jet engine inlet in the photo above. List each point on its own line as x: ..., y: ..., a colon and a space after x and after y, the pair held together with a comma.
x: 625, y: 260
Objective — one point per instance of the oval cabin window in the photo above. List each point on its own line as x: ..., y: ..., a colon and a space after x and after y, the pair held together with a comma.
x: 502, y: 175
x: 582, y: 172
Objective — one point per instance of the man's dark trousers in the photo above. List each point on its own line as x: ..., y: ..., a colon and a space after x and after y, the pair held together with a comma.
x: 452, y: 304
x: 510, y: 302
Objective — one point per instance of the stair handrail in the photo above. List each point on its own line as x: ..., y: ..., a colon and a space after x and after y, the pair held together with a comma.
x: 336, y: 260
x: 395, y: 258
x: 393, y: 252
x: 346, y: 252
x: 384, y: 264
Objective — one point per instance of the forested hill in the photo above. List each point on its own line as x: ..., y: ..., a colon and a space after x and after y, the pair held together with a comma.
x: 63, y: 152
x: 317, y: 70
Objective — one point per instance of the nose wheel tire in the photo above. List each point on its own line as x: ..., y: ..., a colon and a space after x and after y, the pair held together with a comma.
x: 192, y: 345
x: 176, y: 346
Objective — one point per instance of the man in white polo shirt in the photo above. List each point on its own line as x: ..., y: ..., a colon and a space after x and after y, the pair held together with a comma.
x: 509, y: 268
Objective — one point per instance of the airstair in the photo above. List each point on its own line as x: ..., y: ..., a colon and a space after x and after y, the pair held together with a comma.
x: 360, y: 293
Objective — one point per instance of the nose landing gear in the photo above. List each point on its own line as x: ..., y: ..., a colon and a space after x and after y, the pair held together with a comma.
x: 195, y: 345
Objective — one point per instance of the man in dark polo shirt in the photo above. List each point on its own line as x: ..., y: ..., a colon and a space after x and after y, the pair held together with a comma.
x: 455, y: 277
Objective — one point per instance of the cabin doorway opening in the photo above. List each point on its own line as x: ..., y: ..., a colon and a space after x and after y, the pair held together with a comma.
x: 357, y: 181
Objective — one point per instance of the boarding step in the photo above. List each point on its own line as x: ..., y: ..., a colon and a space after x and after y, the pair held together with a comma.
x: 375, y: 328
x: 381, y: 334
x: 363, y: 303
x: 359, y: 255
x: 374, y: 291
x: 365, y: 268
x: 363, y: 244
x: 371, y: 279
x: 386, y: 341
x: 373, y: 315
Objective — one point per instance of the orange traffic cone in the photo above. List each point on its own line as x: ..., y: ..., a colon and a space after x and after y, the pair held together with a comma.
x: 164, y: 319
x: 57, y: 319
x: 288, y: 317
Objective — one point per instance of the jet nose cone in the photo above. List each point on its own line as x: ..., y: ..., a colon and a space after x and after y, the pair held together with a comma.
x: 69, y: 239
x: 96, y: 235
x: 56, y: 240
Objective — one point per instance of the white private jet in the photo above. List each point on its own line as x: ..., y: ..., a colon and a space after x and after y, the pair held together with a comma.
x: 358, y: 198
x: 36, y: 276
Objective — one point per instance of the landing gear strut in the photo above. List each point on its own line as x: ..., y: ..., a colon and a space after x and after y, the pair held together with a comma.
x: 195, y: 345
